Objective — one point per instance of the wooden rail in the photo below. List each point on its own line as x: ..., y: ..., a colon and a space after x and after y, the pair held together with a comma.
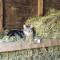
x: 14, y: 46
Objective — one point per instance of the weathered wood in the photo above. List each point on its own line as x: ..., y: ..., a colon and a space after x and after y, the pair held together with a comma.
x: 18, y: 11
x: 40, y: 7
x: 1, y: 16
x: 4, y: 56
x: 13, y: 46
x: 12, y: 56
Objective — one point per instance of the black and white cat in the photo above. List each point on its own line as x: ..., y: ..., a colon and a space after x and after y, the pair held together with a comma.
x: 28, y: 31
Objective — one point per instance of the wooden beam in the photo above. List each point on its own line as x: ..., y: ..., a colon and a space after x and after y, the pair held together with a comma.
x: 40, y: 7
x: 1, y: 15
x: 15, y: 46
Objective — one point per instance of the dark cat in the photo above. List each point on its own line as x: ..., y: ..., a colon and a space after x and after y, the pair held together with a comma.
x: 16, y: 32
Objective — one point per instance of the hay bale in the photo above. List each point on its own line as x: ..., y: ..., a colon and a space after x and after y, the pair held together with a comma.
x: 47, y: 26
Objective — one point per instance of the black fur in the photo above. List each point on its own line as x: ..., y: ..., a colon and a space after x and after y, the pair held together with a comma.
x: 34, y: 31
x: 21, y: 32
x: 14, y: 32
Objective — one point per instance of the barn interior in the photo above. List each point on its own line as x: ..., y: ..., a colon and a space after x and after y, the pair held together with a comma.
x: 44, y: 16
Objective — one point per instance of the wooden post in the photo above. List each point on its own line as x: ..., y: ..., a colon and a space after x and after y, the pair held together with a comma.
x: 1, y: 15
x: 40, y: 7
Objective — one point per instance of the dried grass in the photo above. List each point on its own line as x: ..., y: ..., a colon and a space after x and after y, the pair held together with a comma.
x: 47, y: 26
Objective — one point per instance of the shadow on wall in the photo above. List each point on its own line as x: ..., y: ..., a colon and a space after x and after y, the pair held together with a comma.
x: 51, y: 6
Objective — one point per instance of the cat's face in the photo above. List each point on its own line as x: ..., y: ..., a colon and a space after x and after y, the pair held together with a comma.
x: 28, y: 30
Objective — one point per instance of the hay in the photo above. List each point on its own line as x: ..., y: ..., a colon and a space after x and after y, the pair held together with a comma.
x: 47, y: 26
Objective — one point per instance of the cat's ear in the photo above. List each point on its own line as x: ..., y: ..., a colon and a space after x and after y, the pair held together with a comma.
x: 31, y: 26
x: 24, y: 26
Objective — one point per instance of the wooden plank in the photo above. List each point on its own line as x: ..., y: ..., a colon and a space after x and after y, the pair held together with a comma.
x: 40, y: 7
x: 4, y: 56
x: 1, y: 16
x: 12, y: 56
x: 13, y: 46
